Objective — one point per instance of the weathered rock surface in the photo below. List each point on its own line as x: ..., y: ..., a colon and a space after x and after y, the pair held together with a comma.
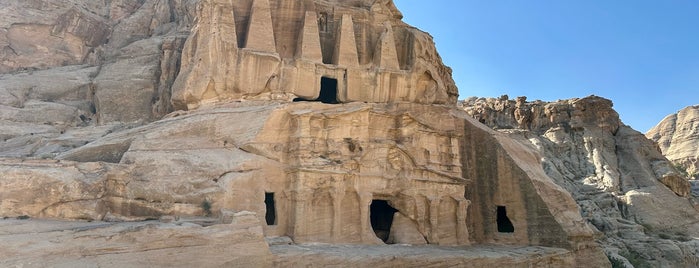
x: 281, y: 50
x: 52, y: 189
x: 678, y: 138
x: 229, y: 156
x: 42, y: 243
x: 620, y: 180
x: 419, y: 256
x: 184, y: 108
x: 131, y: 61
x: 40, y: 34
x: 185, y: 243
x: 73, y: 71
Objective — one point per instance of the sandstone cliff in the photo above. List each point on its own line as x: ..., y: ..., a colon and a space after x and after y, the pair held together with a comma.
x: 232, y: 155
x: 620, y: 180
x: 317, y: 121
x: 678, y: 138
x: 68, y: 65
x: 72, y: 71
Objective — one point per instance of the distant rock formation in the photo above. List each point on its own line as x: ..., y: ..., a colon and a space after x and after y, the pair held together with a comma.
x: 677, y: 136
x: 622, y: 183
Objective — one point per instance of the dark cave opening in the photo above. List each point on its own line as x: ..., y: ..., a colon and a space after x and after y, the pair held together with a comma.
x: 271, y: 214
x: 504, y: 223
x: 328, y: 91
x: 381, y: 216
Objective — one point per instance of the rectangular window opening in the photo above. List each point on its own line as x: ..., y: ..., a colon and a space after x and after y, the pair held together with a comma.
x: 328, y: 90
x: 271, y: 214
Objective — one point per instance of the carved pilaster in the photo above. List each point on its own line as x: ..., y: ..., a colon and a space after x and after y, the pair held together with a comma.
x: 338, y: 194
x: 434, y: 220
x: 302, y: 198
x: 461, y: 227
x: 422, y: 217
x: 364, y: 203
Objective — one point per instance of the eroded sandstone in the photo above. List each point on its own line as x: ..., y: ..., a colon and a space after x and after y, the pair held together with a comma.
x: 281, y: 51
x: 314, y: 121
x: 326, y: 165
x: 677, y: 136
x: 622, y: 183
x: 183, y: 243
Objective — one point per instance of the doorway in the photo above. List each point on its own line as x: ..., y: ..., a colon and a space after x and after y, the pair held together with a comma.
x: 381, y: 216
x: 504, y: 223
x: 271, y: 214
x: 328, y: 91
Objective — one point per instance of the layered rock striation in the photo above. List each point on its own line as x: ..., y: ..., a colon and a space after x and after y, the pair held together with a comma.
x: 622, y: 183
x: 72, y: 71
x: 315, y: 121
x: 181, y: 243
x: 325, y: 166
x: 329, y: 50
x: 677, y: 136
x: 132, y: 62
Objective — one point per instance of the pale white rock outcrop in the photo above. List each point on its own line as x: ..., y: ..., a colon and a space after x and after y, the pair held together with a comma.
x: 677, y: 136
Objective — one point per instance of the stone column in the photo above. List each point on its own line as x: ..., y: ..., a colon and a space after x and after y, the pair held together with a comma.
x: 434, y: 219
x: 301, y: 214
x: 461, y: 227
x: 283, y: 205
x: 337, y: 195
x: 422, y: 217
x: 364, y: 203
x: 302, y: 140
x: 457, y: 156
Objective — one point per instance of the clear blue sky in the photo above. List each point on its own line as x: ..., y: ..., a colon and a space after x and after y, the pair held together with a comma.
x: 641, y: 54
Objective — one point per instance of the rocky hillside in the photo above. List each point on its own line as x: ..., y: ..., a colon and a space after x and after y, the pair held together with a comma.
x: 244, y: 130
x: 247, y: 128
x: 72, y: 71
x: 677, y: 136
x: 622, y: 183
